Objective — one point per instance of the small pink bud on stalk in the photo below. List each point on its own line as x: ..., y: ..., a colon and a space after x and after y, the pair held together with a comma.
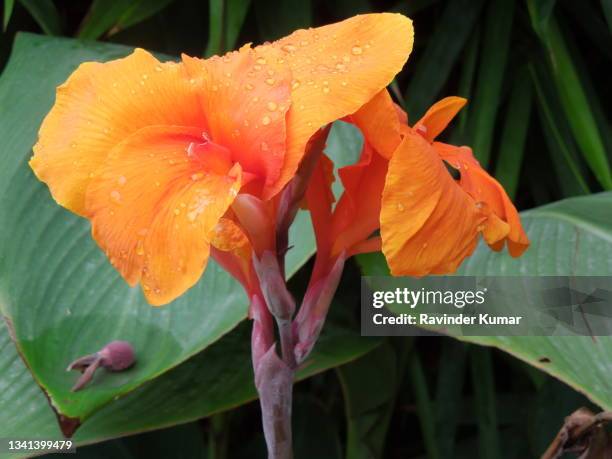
x: 115, y: 356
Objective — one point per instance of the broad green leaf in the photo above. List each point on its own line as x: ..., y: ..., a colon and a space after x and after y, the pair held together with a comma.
x: 7, y: 12
x: 512, y: 146
x: 45, y: 14
x: 491, y: 73
x: 215, y: 380
x: 225, y: 19
x: 569, y: 237
x: 113, y: 15
x: 573, y: 97
x: 63, y: 298
x: 440, y: 55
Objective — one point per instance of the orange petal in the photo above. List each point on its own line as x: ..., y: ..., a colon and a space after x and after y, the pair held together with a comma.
x: 485, y: 189
x: 438, y: 116
x: 245, y: 96
x: 320, y: 198
x: 428, y: 223
x: 379, y: 123
x: 228, y: 236
x: 99, y: 106
x: 153, y: 205
x: 337, y: 69
x: 357, y: 214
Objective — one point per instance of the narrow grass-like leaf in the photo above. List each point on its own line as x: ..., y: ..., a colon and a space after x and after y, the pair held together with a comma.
x: 216, y: 21
x: 425, y: 407
x: 491, y: 73
x: 369, y: 401
x: 225, y: 21
x: 592, y: 23
x: 114, y: 15
x: 512, y: 146
x: 449, y: 388
x: 277, y: 19
x: 573, y: 98
x: 412, y: 7
x: 45, y: 14
x: 236, y: 14
x: 443, y: 50
x: 466, y: 84
x: 571, y: 179
x: 8, y: 11
x: 607, y: 7
x: 484, y: 392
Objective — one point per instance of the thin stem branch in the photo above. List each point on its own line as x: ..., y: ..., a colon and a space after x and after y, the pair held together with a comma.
x: 285, y: 331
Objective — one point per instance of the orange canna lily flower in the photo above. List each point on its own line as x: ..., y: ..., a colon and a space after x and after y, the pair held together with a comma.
x: 155, y: 154
x: 429, y: 222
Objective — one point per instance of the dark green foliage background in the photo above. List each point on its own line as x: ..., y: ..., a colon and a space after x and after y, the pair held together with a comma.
x: 537, y: 75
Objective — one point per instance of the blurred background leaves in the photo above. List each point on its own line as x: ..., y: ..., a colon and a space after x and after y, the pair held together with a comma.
x: 535, y: 73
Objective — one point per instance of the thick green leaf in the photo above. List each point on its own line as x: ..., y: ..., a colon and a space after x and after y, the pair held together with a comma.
x: 45, y: 14
x: 114, y: 15
x: 217, y: 379
x: 441, y: 53
x: 7, y: 12
x: 59, y: 291
x: 569, y: 237
x: 491, y: 73
x: 573, y: 97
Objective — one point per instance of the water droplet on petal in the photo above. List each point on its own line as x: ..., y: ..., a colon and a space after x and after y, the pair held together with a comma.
x: 356, y: 50
x: 261, y: 60
x: 266, y: 120
x: 115, y: 196
x: 289, y: 48
x: 121, y: 180
x: 400, y: 207
x: 272, y: 106
x: 270, y: 81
